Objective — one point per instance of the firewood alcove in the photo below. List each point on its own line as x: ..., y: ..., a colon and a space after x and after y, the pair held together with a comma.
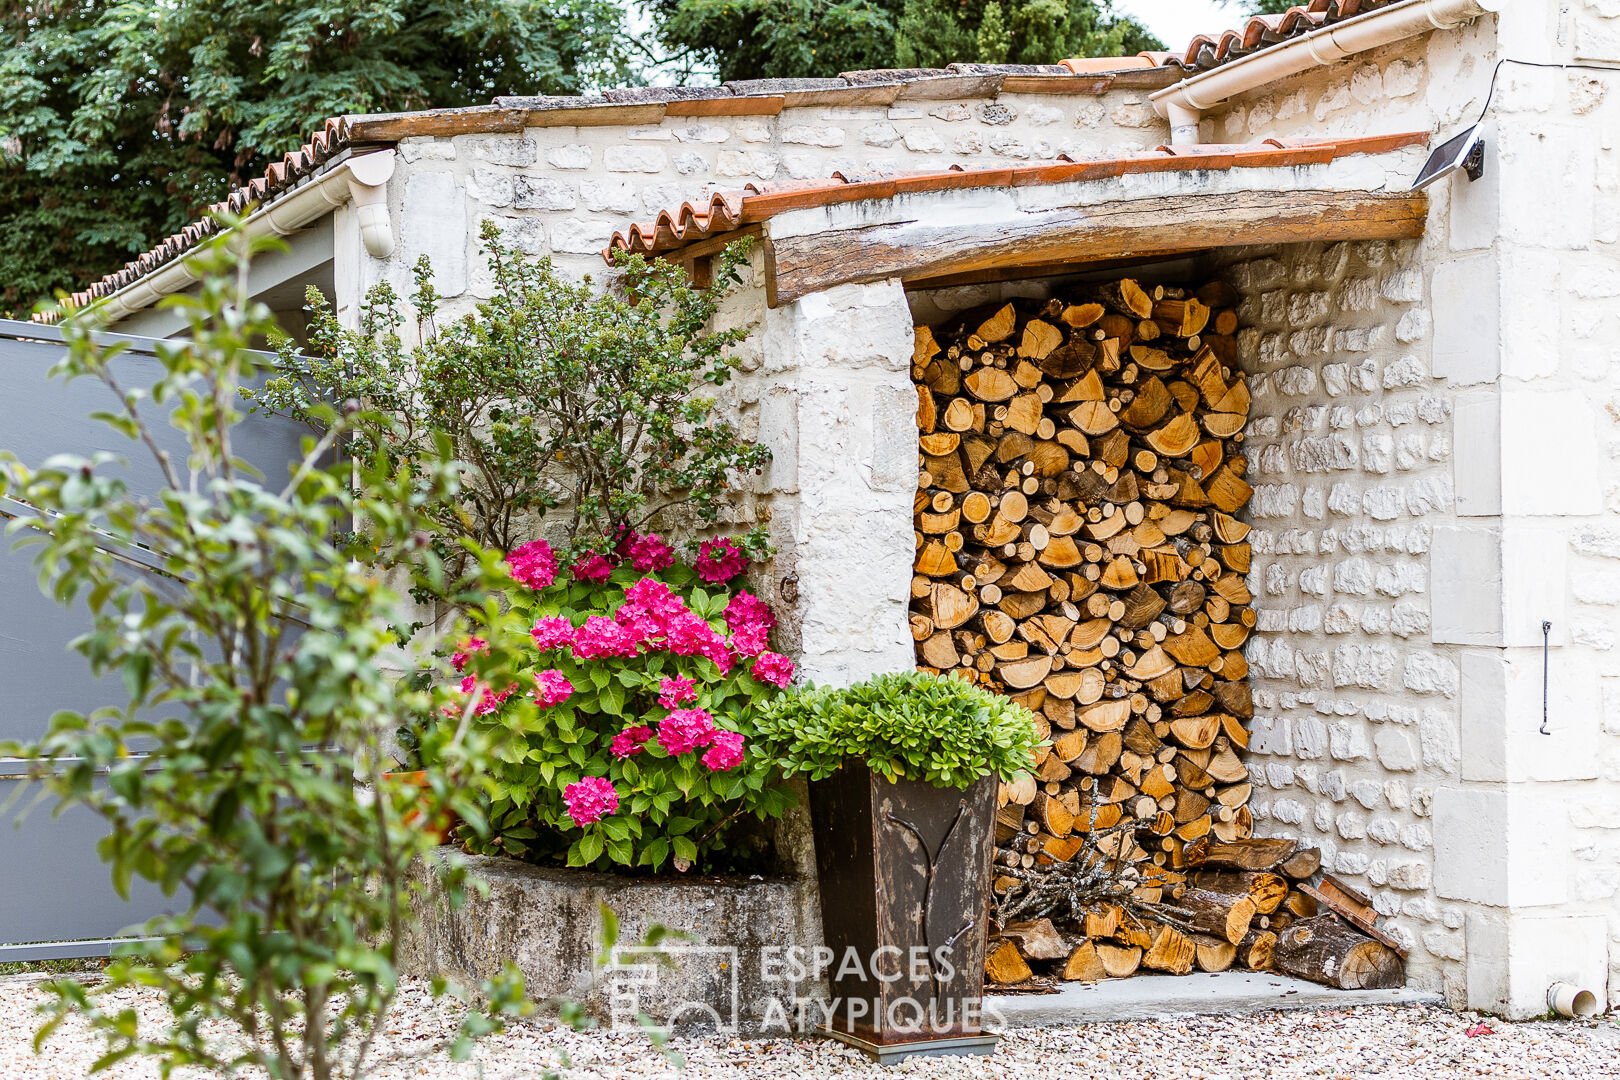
x: 1080, y: 547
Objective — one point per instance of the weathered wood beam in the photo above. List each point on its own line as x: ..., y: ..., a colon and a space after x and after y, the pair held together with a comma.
x: 1047, y: 270
x: 923, y: 249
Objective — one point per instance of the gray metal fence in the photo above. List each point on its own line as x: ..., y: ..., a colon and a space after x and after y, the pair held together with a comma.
x: 56, y: 897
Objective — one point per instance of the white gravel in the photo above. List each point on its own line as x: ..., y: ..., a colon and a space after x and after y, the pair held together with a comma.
x: 1350, y: 1044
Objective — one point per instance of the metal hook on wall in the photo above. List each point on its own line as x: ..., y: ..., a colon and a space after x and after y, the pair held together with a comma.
x: 1546, y: 631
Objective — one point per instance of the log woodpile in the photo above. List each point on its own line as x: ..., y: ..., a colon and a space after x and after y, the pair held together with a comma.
x: 1079, y: 548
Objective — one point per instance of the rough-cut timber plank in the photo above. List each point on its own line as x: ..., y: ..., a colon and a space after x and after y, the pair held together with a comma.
x: 1336, y: 905
x: 800, y: 265
x: 477, y: 119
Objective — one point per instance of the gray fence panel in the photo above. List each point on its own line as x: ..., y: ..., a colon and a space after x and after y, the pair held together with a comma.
x: 45, y: 416
x: 54, y: 890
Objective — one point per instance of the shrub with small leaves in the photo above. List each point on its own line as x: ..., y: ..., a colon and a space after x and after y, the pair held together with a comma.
x: 555, y: 395
x: 908, y: 725
x: 255, y: 663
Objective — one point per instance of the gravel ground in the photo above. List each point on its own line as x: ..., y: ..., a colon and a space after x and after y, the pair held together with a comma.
x: 1350, y: 1044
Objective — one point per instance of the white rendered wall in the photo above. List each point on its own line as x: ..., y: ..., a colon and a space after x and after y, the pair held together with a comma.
x: 1518, y: 294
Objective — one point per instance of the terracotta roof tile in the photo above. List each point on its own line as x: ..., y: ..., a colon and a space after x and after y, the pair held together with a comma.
x: 727, y: 211
x: 293, y: 167
x: 1260, y: 32
x: 1093, y: 65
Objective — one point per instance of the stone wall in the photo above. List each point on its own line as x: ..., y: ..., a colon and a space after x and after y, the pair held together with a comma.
x: 563, y: 191
x: 549, y: 923
x: 1514, y: 306
x: 1350, y: 453
x: 1435, y: 450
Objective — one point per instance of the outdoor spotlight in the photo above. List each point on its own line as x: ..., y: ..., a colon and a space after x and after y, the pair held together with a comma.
x: 1465, y: 151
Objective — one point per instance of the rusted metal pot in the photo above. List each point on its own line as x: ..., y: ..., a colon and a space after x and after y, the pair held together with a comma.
x: 905, y: 886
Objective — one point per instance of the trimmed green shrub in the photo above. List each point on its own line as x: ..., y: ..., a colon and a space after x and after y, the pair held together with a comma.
x: 906, y: 725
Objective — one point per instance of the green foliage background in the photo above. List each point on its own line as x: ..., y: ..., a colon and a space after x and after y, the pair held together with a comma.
x: 755, y: 39
x: 121, y: 121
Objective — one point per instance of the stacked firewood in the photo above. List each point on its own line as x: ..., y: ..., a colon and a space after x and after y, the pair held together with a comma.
x: 1246, y: 904
x: 1079, y: 549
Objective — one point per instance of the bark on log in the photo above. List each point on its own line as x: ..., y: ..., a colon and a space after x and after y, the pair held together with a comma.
x: 1330, y: 951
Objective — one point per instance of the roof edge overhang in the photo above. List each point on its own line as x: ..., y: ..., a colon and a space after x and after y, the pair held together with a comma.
x: 1185, y: 103
x: 930, y: 226
x: 351, y: 176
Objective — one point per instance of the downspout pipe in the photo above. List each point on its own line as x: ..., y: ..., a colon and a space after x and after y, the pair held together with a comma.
x: 1185, y: 103
x: 361, y: 179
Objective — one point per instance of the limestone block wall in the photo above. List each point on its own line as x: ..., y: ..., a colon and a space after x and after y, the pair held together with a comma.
x: 825, y: 382
x: 1436, y: 451
x: 563, y: 191
x: 840, y: 412
x: 1350, y: 452
x: 1517, y: 288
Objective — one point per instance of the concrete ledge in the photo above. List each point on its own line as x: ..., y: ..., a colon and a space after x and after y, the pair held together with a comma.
x: 1150, y: 997
x: 549, y: 923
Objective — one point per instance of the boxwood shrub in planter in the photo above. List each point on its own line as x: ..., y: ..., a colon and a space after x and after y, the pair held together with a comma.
x: 903, y: 771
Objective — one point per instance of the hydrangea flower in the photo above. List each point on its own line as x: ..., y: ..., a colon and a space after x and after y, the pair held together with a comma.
x: 469, y: 647
x: 552, y: 633
x: 685, y: 730
x: 590, y: 800
x: 676, y: 690
x: 691, y: 635
x: 591, y: 567
x: 726, y: 752
x: 649, y: 607
x: 773, y: 668
x: 552, y: 688
x: 488, y: 699
x: 630, y: 741
x: 648, y: 553
x: 719, y: 561
x: 747, y: 608
x: 750, y: 620
x: 602, y: 637
x: 534, y: 564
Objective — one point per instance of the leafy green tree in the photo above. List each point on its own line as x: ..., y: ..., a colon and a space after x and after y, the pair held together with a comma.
x: 753, y: 39
x: 1273, y: 7
x: 933, y: 33
x: 121, y: 119
x: 265, y: 639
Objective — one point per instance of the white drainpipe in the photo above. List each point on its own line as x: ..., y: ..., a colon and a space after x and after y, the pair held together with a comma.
x: 1185, y: 103
x: 362, y: 180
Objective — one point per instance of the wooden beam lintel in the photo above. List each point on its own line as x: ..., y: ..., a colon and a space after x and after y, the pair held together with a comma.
x: 1122, y: 260
x: 917, y: 249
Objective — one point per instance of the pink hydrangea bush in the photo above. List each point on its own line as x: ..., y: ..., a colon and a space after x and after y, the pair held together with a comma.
x: 633, y: 736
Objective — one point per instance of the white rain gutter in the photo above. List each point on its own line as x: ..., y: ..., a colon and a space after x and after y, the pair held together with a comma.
x: 362, y: 180
x: 1185, y: 103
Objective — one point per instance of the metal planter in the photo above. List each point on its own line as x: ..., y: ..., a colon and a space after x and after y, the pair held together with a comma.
x: 905, y: 884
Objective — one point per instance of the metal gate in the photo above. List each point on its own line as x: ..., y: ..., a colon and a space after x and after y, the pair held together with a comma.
x: 56, y: 896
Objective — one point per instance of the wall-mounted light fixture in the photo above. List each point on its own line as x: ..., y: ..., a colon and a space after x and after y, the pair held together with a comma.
x: 1465, y: 151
